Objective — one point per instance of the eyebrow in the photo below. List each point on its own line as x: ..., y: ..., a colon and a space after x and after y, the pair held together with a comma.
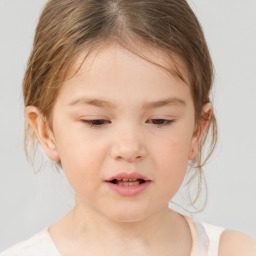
x: 106, y: 104
x: 165, y: 102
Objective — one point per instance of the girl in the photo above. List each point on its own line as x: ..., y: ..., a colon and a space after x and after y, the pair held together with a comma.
x: 117, y: 94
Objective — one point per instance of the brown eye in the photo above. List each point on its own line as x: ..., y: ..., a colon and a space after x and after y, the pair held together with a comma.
x: 161, y: 122
x: 95, y: 123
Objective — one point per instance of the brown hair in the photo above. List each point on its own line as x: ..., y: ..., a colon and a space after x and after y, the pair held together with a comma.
x: 68, y: 27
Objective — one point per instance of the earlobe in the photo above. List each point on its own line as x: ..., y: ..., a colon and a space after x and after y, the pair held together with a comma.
x: 42, y: 131
x: 200, y: 130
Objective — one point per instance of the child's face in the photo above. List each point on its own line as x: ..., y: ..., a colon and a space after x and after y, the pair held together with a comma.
x: 133, y: 136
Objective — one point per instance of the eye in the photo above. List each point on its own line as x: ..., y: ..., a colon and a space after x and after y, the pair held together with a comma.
x: 161, y: 122
x: 95, y: 123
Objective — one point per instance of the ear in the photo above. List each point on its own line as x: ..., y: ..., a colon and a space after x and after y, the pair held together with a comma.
x: 200, y: 129
x: 43, y: 132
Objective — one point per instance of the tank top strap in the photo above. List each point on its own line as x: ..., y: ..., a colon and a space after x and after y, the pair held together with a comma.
x: 194, y: 235
x: 205, y: 238
x: 214, y: 234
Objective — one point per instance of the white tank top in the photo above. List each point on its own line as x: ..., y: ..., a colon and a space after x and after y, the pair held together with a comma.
x: 205, y: 242
x: 205, y: 238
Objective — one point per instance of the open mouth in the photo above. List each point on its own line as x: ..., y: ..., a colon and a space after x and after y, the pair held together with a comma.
x: 127, y: 182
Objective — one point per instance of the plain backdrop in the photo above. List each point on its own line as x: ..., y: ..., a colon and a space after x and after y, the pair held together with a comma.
x: 30, y: 202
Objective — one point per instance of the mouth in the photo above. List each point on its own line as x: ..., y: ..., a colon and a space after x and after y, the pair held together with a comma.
x: 129, y: 185
x: 128, y: 179
x: 127, y: 182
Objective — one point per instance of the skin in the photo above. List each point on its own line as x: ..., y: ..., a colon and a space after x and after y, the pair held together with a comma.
x: 129, y: 140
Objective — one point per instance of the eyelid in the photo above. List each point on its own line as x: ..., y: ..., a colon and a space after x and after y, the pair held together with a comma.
x: 166, y: 121
x: 89, y: 122
x: 102, y: 122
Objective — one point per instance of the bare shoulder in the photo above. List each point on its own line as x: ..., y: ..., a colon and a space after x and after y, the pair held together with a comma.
x: 235, y: 243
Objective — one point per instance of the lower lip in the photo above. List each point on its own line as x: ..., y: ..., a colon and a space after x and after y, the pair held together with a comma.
x: 129, y: 190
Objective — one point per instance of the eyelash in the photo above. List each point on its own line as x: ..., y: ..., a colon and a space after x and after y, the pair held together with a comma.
x: 91, y: 123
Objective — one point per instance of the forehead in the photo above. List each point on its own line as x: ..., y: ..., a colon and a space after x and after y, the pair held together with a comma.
x: 168, y: 61
x: 116, y: 78
x: 114, y: 74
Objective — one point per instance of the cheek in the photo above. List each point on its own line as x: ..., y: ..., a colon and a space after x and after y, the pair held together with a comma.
x: 172, y: 159
x: 174, y: 150
x: 80, y: 161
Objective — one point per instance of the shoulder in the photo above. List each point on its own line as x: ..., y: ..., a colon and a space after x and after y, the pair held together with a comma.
x: 235, y: 243
x: 229, y: 242
x: 37, y: 245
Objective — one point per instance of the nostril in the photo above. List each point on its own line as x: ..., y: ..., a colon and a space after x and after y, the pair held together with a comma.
x: 129, y: 151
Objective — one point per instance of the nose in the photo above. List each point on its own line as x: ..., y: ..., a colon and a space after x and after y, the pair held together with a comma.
x: 128, y: 146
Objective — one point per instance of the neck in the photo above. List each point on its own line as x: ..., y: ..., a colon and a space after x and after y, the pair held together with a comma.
x: 84, y: 227
x: 90, y: 224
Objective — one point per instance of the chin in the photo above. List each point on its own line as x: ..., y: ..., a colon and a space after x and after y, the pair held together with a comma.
x: 128, y: 215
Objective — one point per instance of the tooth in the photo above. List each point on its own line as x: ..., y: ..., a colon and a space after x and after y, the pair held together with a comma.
x: 136, y: 183
x: 125, y: 180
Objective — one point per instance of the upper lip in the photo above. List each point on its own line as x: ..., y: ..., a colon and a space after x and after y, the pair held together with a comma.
x: 132, y: 176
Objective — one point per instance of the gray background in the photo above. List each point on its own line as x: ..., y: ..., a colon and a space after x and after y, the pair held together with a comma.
x: 30, y: 202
